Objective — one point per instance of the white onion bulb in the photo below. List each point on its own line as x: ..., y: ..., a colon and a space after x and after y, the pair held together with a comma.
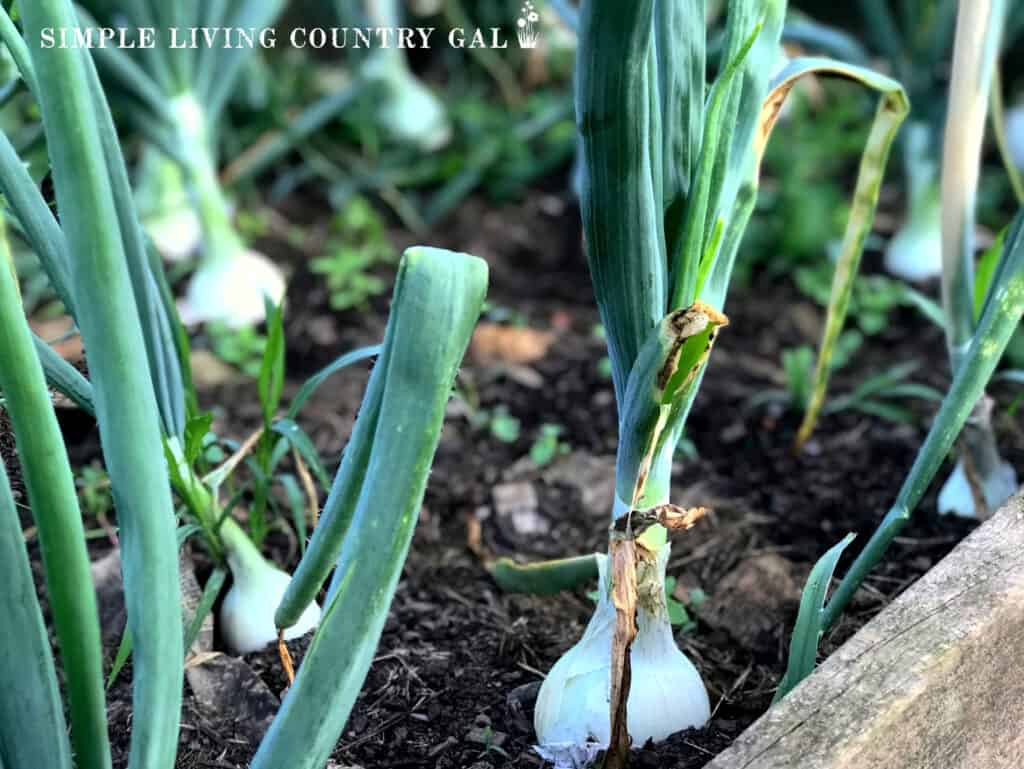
x: 232, y: 289
x: 572, y: 718
x: 246, y: 619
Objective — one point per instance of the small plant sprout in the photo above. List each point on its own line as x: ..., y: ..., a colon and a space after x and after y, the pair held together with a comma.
x: 669, y: 178
x: 176, y: 97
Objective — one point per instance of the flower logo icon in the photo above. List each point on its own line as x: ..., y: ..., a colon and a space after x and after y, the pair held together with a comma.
x: 528, y: 26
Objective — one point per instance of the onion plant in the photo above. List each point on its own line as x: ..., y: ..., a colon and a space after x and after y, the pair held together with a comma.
x: 176, y: 97
x: 669, y: 178
x: 981, y: 480
x: 151, y: 433
x: 977, y: 332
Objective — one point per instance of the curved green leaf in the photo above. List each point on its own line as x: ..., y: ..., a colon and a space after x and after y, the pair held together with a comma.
x: 622, y: 219
x: 438, y: 297
x: 999, y: 319
x: 301, y: 442
x: 803, y: 647
x: 312, y: 384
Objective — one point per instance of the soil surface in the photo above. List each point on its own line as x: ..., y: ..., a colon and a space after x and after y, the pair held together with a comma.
x: 460, y: 662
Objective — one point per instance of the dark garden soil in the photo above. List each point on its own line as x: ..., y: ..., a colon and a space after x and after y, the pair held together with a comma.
x: 460, y: 662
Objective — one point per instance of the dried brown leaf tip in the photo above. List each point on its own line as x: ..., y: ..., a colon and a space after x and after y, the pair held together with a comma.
x: 623, y: 555
x: 286, y: 657
x: 679, y: 518
x: 670, y: 516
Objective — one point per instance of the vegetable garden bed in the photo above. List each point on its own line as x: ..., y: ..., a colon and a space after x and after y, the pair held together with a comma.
x: 460, y: 659
x: 455, y: 598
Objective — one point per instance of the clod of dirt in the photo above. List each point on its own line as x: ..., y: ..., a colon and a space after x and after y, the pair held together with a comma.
x: 754, y: 601
x: 224, y: 686
x: 516, y: 504
x: 495, y: 343
x: 210, y: 371
x: 593, y: 477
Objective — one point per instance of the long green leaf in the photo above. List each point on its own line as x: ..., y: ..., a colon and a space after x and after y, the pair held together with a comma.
x: 215, y: 14
x: 680, y: 41
x: 270, y: 381
x: 803, y: 647
x: 19, y: 50
x: 246, y: 14
x: 210, y: 592
x: 51, y: 492
x: 32, y: 728
x: 438, y: 298
x: 546, y: 577
x: 622, y: 221
x: 122, y: 68
x: 336, y: 518
x: 124, y: 652
x: 999, y: 320
x: 302, y: 443
x: 161, y: 350
x: 126, y: 408
x: 826, y: 40
x: 313, y: 118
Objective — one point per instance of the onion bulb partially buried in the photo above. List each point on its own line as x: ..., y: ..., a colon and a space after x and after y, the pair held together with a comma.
x: 246, y: 619
x: 572, y: 718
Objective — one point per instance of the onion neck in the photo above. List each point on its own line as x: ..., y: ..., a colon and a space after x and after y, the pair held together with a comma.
x: 221, y: 242
x: 244, y: 558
